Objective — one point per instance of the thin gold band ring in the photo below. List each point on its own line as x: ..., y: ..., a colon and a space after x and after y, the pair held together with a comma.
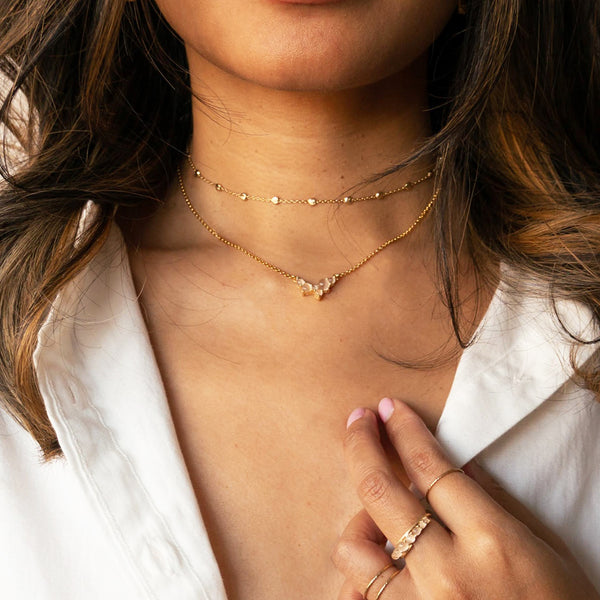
x: 438, y: 479
x: 381, y: 590
x: 370, y: 584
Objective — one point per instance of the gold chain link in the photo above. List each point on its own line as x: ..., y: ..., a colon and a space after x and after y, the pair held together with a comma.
x: 283, y: 272
x: 409, y: 185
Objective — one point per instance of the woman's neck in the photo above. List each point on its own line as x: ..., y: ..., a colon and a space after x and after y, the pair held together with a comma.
x: 304, y: 143
x: 299, y: 145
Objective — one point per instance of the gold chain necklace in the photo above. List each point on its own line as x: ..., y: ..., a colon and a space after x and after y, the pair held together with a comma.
x: 318, y: 290
x: 310, y: 201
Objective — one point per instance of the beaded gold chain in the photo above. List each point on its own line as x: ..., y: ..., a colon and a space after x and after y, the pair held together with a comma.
x: 310, y: 201
x: 318, y: 290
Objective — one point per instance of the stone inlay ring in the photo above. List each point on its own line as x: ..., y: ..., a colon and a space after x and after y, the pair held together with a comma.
x: 407, y: 541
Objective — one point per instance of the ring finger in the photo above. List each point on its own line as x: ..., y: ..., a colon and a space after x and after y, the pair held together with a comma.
x: 390, y: 504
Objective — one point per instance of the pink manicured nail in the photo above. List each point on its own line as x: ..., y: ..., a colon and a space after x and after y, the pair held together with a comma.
x: 356, y: 414
x: 386, y: 408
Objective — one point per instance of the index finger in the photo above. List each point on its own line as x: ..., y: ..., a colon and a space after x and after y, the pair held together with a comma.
x: 456, y: 498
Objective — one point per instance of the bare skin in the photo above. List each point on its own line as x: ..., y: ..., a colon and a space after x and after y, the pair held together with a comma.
x: 310, y: 101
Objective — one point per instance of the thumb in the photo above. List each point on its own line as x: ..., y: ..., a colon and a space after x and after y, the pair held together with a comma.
x: 474, y: 470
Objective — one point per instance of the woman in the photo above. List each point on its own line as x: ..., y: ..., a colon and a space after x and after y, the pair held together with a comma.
x: 192, y: 177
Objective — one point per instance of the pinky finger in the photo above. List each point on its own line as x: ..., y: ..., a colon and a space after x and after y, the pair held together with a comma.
x: 359, y: 555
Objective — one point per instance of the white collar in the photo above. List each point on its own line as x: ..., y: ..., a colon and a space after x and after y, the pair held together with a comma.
x: 100, y: 382
x: 521, y: 357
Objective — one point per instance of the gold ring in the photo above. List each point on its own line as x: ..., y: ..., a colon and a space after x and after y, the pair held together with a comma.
x: 437, y: 479
x: 370, y: 584
x: 407, y: 541
x: 386, y: 584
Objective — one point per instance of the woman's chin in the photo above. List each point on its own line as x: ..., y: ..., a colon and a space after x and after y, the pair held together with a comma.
x: 315, y: 67
x: 318, y: 78
x: 308, y: 47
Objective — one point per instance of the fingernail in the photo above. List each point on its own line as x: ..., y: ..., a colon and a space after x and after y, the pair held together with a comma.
x: 386, y: 408
x: 356, y: 414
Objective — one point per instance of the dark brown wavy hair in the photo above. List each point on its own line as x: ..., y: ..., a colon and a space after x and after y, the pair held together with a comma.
x: 96, y: 99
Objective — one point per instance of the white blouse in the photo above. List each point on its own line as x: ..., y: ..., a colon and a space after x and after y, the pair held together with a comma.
x: 117, y: 516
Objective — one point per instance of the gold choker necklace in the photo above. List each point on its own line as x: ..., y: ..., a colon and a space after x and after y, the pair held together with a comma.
x: 318, y: 290
x: 310, y: 201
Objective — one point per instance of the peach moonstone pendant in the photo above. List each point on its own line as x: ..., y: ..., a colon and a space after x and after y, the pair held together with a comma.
x: 318, y: 290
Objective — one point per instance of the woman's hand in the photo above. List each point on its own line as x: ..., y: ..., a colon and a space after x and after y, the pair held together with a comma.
x: 489, y: 546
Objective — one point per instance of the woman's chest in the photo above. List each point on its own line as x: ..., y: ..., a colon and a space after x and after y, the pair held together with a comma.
x: 260, y: 384
x: 274, y: 495
x: 260, y: 419
x: 265, y: 457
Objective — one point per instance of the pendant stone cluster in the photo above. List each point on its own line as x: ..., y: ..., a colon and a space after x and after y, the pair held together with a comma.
x: 318, y: 290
